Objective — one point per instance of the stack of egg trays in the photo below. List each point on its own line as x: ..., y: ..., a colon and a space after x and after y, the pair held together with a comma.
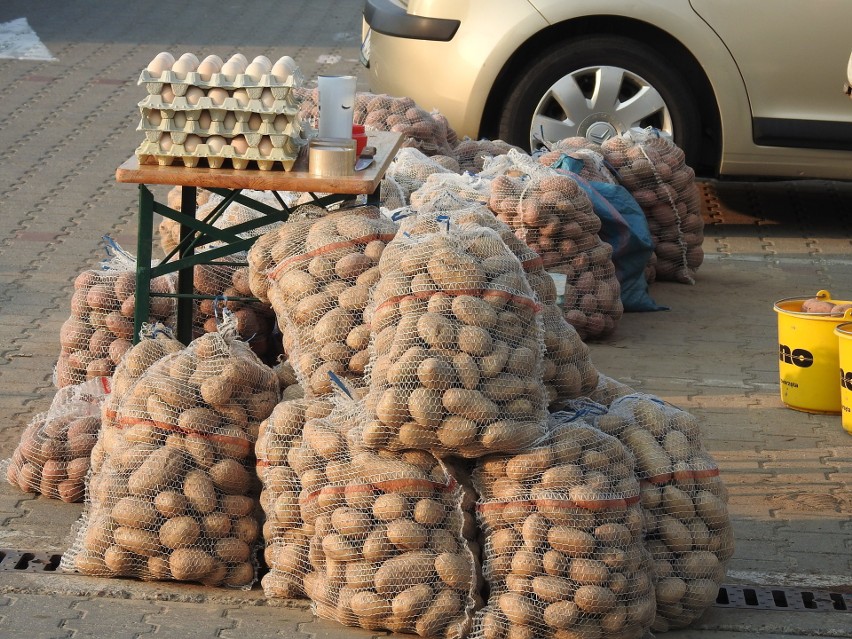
x: 278, y: 120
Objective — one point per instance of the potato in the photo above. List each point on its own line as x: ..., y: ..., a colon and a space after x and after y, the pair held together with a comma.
x: 412, y: 602
x: 134, y: 512
x: 407, y: 569
x: 179, y: 532
x: 159, y: 471
x: 230, y: 476
x: 199, y: 490
x: 141, y: 542
x: 190, y: 564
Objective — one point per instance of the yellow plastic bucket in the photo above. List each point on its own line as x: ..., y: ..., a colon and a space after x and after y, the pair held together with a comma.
x: 844, y: 353
x: 808, y: 355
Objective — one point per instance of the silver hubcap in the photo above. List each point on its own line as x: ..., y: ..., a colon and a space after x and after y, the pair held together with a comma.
x: 598, y: 103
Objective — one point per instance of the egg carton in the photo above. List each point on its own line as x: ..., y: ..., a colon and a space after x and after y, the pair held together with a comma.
x: 283, y: 156
x: 270, y: 124
x: 254, y: 87
x: 288, y: 105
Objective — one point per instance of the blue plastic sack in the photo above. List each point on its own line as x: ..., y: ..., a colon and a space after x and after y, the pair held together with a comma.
x: 625, y: 228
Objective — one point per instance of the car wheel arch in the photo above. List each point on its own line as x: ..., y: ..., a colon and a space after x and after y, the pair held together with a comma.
x: 663, y: 43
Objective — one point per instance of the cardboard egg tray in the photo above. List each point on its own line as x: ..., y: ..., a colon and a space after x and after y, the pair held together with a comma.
x: 283, y: 155
x: 271, y: 124
x: 280, y: 87
x: 288, y: 105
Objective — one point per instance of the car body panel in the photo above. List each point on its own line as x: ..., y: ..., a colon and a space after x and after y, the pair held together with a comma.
x: 768, y: 58
x: 477, y: 55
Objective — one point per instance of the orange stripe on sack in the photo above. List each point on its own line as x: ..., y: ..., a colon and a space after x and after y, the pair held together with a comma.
x: 328, y: 248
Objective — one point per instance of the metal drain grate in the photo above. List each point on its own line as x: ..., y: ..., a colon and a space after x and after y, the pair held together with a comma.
x: 28, y: 561
x: 789, y: 599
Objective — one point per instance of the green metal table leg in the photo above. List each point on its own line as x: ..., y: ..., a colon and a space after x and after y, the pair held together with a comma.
x: 144, y: 239
x: 185, y: 282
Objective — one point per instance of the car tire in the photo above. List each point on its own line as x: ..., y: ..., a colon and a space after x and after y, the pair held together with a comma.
x: 531, y: 105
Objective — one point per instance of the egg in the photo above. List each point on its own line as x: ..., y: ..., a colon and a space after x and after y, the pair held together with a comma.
x: 234, y: 66
x: 154, y: 117
x: 187, y: 63
x: 194, y: 94
x: 241, y: 58
x: 167, y: 94
x: 204, y: 120
x: 241, y: 96
x: 163, y: 61
x: 215, y: 143
x: 217, y: 95
x: 284, y: 67
x: 165, y: 142
x: 239, y: 144
x: 266, y: 98
x: 191, y: 57
x: 209, y: 65
x: 191, y: 143
x: 179, y: 119
x: 280, y: 122
x: 265, y: 146
x: 255, y: 121
x: 263, y: 60
x: 255, y: 71
x: 230, y: 120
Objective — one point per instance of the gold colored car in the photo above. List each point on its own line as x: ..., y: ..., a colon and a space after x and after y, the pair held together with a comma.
x: 746, y: 87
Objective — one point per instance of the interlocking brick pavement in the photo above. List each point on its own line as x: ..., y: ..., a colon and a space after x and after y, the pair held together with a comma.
x: 66, y: 125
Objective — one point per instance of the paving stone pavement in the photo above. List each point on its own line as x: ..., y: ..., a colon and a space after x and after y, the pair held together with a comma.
x: 65, y: 125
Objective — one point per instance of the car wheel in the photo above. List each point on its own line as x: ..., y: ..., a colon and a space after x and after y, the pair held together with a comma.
x: 598, y: 87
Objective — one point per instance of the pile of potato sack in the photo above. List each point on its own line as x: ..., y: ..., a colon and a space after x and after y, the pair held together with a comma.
x: 406, y: 421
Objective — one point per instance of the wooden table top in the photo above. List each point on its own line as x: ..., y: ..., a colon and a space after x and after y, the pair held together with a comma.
x: 297, y: 179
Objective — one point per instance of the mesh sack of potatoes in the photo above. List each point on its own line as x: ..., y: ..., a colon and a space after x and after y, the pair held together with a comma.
x: 319, y: 290
x: 52, y: 457
x: 222, y: 216
x: 582, y: 156
x: 428, y: 132
x: 653, y: 168
x: 280, y: 244
x: 393, y: 196
x: 174, y: 495
x: 608, y: 390
x: 466, y: 188
x: 562, y: 529
x: 100, y: 328
x: 225, y: 285
x: 287, y: 381
x: 567, y: 371
x: 456, y: 357
x: 552, y: 214
x: 471, y: 155
x: 684, y: 504
x: 410, y: 168
x: 286, y: 538
x: 387, y: 549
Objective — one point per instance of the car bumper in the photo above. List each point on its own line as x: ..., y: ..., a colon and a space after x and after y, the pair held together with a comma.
x: 385, y: 17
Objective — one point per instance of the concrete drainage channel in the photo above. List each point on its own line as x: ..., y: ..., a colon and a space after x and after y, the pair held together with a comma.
x: 730, y: 595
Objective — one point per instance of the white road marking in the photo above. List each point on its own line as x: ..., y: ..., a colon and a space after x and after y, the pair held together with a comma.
x: 19, y: 42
